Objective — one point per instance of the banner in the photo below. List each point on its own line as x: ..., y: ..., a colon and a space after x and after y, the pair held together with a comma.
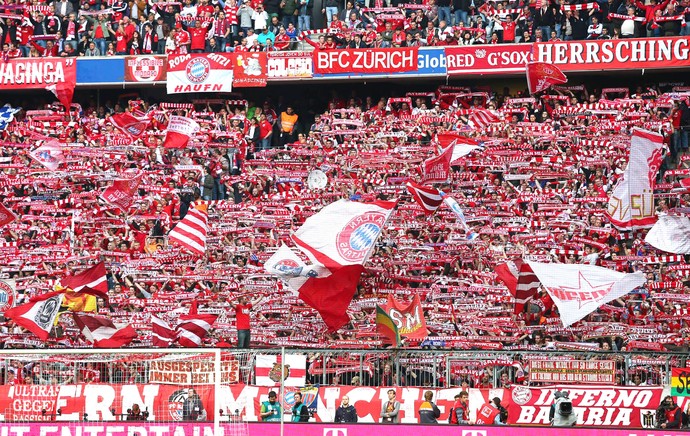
x: 38, y: 73
x: 573, y: 371
x: 146, y: 68
x: 631, y: 204
x: 431, y: 61
x: 289, y: 64
x: 270, y: 371
x: 671, y: 233
x: 680, y: 382
x: 358, y: 61
x: 8, y: 294
x: 250, y: 69
x: 203, y: 72
x: 487, y: 59
x: 193, y: 373
x: 615, y: 54
x: 409, y: 318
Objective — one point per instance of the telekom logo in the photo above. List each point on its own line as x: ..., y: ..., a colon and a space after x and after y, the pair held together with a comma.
x: 474, y: 433
x: 334, y: 432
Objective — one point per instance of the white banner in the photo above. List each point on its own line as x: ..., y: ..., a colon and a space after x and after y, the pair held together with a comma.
x: 631, y: 204
x: 270, y: 371
x: 578, y: 290
x: 209, y: 72
x: 671, y: 233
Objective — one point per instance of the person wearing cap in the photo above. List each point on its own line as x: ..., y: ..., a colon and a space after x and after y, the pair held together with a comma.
x: 271, y: 410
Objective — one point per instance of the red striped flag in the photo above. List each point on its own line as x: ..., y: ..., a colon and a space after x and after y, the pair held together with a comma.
x: 193, y: 327
x: 482, y: 118
x: 190, y: 233
x: 37, y: 316
x: 103, y: 332
x: 90, y: 281
x: 520, y: 281
x: 162, y: 334
x: 428, y: 198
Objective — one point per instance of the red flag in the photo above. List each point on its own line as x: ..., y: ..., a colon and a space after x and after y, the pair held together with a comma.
x: 437, y: 169
x: 193, y: 327
x: 408, y: 317
x: 129, y: 124
x: 162, y: 334
x: 49, y: 155
x: 520, y: 281
x: 190, y: 232
x: 38, y: 316
x: 121, y: 192
x: 482, y: 118
x: 64, y: 93
x: 542, y: 76
x: 331, y: 295
x: 180, y: 131
x: 6, y: 215
x: 103, y: 332
x: 428, y: 198
x: 90, y: 281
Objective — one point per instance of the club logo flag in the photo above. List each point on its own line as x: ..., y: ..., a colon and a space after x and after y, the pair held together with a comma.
x: 578, y: 290
x: 8, y: 294
x: 202, y: 72
x: 7, y: 115
x: 49, y: 155
x: 121, y: 193
x: 386, y: 327
x: 429, y: 199
x: 542, y: 76
x: 343, y: 233
x: 6, y: 215
x: 631, y: 204
x: 180, y: 130
x: 129, y: 124
x: 680, y: 382
x: 409, y: 318
x: 289, y: 267
x: 38, y: 315
x: 103, y: 332
x: 250, y: 69
x: 671, y: 233
x: 190, y: 232
x: 270, y: 370
x: 437, y: 169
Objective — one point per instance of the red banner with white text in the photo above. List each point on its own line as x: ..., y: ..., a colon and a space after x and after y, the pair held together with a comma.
x: 487, y: 59
x: 250, y: 69
x: 38, y: 73
x: 370, y: 60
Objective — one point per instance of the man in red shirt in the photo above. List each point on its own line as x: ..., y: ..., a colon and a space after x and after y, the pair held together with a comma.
x: 198, y: 35
x: 243, y: 313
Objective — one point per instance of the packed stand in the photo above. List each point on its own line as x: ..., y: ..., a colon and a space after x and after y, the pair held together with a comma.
x: 95, y: 28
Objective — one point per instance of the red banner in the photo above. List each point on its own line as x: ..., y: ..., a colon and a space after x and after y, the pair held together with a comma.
x: 38, y: 73
x: 616, y: 54
x: 145, y: 68
x: 487, y: 59
x: 408, y: 317
x: 382, y: 60
x: 250, y: 69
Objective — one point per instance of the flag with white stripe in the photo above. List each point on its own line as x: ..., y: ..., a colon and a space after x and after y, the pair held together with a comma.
x: 520, y: 281
x: 190, y: 232
x: 104, y: 333
x: 428, y: 198
x: 162, y: 334
x: 90, y: 281
x: 193, y: 327
x: 481, y: 118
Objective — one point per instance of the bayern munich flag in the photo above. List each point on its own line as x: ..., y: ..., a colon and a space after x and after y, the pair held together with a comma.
x: 542, y: 76
x: 343, y: 233
x: 180, y: 131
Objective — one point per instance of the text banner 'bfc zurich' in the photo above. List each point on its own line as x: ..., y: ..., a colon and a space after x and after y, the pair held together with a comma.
x: 383, y: 61
x: 207, y: 72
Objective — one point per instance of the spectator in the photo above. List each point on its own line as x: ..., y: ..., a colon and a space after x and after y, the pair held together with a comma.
x: 390, y: 409
x: 346, y: 413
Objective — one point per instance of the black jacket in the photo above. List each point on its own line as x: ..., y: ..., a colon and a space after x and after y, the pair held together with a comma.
x: 346, y: 414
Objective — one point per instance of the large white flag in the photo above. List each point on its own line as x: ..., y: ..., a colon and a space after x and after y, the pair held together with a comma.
x: 343, y: 233
x: 671, y: 233
x: 631, y: 204
x: 578, y: 290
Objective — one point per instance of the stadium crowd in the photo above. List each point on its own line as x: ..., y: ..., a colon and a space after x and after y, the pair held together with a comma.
x: 536, y: 187
x: 95, y: 28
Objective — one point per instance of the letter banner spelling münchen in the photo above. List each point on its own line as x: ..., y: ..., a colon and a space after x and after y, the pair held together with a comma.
x: 373, y: 60
x: 37, y: 73
x: 203, y: 72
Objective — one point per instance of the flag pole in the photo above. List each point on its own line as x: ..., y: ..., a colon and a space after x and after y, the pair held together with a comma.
x: 282, y: 393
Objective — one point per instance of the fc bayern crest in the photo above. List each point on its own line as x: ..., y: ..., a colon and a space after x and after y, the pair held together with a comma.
x: 175, y: 403
x: 198, y: 70
x: 359, y: 235
x: 6, y: 296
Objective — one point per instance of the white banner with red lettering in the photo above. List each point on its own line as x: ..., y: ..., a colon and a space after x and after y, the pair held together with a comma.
x: 202, y: 72
x: 37, y: 73
x: 368, y: 60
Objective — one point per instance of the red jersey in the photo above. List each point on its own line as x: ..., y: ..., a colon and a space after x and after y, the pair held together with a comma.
x: 243, y: 312
x: 198, y: 35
